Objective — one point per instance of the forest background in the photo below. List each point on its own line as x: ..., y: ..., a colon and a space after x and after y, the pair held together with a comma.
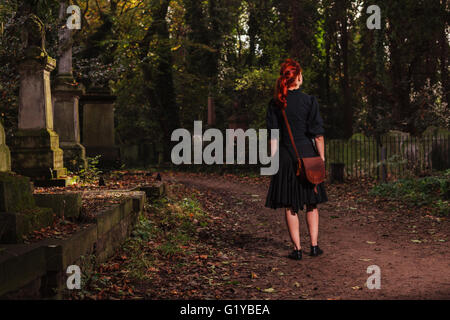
x: 163, y: 59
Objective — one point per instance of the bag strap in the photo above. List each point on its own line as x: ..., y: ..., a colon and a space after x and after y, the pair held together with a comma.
x: 292, y: 141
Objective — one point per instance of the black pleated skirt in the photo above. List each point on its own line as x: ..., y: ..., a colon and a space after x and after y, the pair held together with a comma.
x: 286, y: 190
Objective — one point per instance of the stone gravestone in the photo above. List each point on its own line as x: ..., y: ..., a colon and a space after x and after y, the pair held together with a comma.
x: 66, y: 93
x: 5, y: 156
x: 98, y: 126
x: 35, y: 150
x: 18, y: 212
x: 436, y: 145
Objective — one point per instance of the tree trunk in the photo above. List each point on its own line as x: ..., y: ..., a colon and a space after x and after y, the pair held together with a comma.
x: 345, y: 85
x: 158, y: 78
x: 444, y: 54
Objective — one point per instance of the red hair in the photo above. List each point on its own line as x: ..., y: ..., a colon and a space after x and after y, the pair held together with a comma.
x: 289, y: 71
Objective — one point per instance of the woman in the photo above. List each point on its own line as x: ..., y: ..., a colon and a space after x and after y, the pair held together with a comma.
x: 287, y: 190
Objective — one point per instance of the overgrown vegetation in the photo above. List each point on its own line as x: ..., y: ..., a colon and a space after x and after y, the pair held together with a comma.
x: 166, y: 228
x: 169, y: 223
x: 91, y: 173
x: 164, y: 58
x: 433, y: 192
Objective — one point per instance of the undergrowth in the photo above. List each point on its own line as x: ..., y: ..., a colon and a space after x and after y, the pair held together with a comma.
x: 433, y: 191
x: 167, y: 227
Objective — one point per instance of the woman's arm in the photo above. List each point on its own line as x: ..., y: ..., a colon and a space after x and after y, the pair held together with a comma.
x: 320, y: 144
x: 273, y: 146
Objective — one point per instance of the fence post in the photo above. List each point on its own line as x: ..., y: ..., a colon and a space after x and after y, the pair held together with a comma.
x: 383, y: 165
x: 381, y: 168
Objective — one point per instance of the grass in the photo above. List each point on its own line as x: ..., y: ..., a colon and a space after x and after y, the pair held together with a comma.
x: 166, y: 228
x: 169, y: 223
x: 433, y: 191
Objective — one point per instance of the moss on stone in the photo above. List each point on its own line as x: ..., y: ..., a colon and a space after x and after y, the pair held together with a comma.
x: 15, y: 226
x: 36, y: 218
x: 15, y: 193
x: 63, y: 204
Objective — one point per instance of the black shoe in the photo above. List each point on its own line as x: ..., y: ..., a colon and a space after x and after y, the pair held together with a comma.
x: 315, y: 251
x: 295, y: 255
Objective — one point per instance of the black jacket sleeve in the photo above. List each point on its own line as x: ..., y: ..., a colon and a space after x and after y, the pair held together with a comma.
x: 271, y: 116
x: 315, y: 122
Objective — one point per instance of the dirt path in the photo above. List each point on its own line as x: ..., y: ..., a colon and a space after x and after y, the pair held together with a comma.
x: 410, y: 248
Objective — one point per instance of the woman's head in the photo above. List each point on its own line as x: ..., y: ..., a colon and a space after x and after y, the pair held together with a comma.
x: 290, y: 76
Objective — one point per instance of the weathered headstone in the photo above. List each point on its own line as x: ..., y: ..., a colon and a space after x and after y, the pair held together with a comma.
x: 411, y: 152
x: 129, y: 155
x: 433, y: 131
x: 98, y: 126
x: 436, y: 145
x: 5, y: 156
x: 18, y: 213
x: 393, y: 139
x: 66, y: 94
x: 35, y: 151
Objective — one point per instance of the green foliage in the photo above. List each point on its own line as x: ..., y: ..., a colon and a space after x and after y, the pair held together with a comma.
x: 393, y: 162
x: 431, y: 191
x: 163, y: 64
x: 12, y: 16
x: 357, y: 153
x: 90, y: 174
x: 256, y: 87
x: 87, y: 264
x: 171, y: 223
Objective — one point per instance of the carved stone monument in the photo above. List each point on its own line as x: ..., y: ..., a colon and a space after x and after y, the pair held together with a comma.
x: 35, y: 150
x: 98, y: 126
x: 65, y: 95
x: 5, y: 156
x: 18, y: 212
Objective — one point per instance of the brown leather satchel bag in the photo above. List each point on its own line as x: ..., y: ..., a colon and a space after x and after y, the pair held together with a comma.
x: 313, y: 168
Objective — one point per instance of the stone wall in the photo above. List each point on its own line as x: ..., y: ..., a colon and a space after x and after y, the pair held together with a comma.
x: 39, y: 270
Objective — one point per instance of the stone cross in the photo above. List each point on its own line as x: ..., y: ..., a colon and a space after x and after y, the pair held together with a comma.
x: 66, y: 94
x: 65, y: 43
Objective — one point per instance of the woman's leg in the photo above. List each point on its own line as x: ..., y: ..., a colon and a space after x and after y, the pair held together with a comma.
x: 312, y: 220
x: 293, y: 225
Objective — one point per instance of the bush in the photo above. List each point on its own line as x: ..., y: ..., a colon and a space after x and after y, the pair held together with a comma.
x: 90, y: 174
x: 433, y: 191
